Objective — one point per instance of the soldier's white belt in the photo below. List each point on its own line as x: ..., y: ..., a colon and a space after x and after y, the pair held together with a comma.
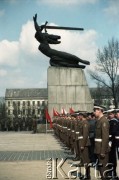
x: 116, y: 137
x: 110, y: 144
x: 77, y: 132
x: 98, y: 140
x: 69, y: 129
x: 72, y: 130
x: 80, y: 137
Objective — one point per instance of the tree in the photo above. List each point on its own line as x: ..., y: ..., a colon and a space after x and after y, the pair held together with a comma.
x: 106, y: 71
x: 2, y: 110
x: 96, y: 94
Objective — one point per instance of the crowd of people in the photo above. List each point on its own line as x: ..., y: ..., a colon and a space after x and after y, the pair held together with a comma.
x: 93, y: 138
x: 19, y: 123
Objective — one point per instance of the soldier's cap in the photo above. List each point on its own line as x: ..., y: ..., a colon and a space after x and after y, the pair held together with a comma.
x: 83, y: 113
x: 110, y: 111
x: 105, y: 112
x: 116, y: 110
x: 74, y: 115
x: 98, y: 107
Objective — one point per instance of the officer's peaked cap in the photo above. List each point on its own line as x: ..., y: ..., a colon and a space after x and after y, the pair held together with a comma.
x: 98, y: 107
x: 117, y: 110
x: 111, y: 111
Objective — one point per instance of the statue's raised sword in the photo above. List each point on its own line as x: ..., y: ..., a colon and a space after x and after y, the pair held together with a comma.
x: 60, y: 27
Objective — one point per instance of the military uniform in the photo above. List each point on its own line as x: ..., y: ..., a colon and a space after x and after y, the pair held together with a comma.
x: 69, y: 132
x: 92, y: 123
x: 101, y: 143
x: 76, y: 144
x: 117, y: 147
x: 8, y: 124
x: 112, y: 142
x: 72, y: 139
x: 15, y: 123
x: 34, y: 125
x: 117, y: 150
x: 84, y: 143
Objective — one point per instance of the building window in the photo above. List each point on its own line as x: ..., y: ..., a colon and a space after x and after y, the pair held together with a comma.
x: 33, y: 112
x: 38, y: 111
x: 14, y: 111
x: 8, y: 112
x: 33, y: 103
x: 14, y: 104
x: 8, y: 103
x: 43, y: 103
x: 19, y: 112
x: 29, y: 111
x: 28, y: 103
x: 23, y: 103
x: 23, y: 111
x: 18, y: 103
x: 38, y: 103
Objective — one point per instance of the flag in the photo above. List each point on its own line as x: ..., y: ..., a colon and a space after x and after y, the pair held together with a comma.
x: 71, y: 111
x: 55, y: 113
x: 63, y: 111
x: 48, y: 118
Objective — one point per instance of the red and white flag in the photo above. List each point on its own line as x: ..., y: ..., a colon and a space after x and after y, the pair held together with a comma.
x: 55, y: 113
x: 71, y: 111
x: 63, y: 111
x: 48, y: 118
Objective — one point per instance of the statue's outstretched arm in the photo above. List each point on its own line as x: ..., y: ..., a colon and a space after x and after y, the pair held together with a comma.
x: 35, y: 23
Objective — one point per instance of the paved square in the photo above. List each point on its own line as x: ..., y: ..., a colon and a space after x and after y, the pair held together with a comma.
x: 25, y: 156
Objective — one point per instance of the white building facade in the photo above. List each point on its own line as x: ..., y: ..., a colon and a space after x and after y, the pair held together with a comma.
x: 25, y: 102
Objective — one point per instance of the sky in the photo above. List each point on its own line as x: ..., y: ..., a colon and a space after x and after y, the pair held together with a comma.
x: 22, y: 65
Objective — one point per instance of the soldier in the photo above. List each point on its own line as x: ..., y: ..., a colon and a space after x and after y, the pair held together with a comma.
x: 27, y: 123
x: 84, y: 143
x: 69, y: 133
x: 15, y: 124
x: 92, y: 122
x: 54, y: 124
x: 8, y: 124
x: 77, y: 134
x: 72, y: 136
x: 117, y: 143
x: 3, y: 124
x: 34, y: 125
x: 101, y: 140
x: 30, y: 123
x: 20, y: 120
x: 112, y: 133
x: 24, y: 129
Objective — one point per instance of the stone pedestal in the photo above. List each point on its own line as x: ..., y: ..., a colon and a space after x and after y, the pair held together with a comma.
x: 67, y: 87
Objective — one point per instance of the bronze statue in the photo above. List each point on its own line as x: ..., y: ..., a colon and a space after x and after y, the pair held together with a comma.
x: 57, y: 58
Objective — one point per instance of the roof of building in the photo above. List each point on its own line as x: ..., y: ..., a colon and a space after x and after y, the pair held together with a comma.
x: 26, y: 93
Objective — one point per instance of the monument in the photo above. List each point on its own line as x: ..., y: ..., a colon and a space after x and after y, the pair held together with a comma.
x: 67, y: 85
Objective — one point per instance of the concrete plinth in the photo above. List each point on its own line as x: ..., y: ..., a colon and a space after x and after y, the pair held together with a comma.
x: 67, y: 87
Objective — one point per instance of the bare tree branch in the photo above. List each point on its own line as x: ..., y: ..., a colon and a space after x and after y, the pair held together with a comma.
x: 108, y: 64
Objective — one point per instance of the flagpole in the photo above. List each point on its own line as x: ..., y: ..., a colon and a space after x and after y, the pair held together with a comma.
x: 46, y: 126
